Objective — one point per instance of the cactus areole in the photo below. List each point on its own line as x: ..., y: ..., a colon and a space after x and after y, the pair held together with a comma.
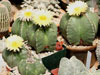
x: 79, y: 30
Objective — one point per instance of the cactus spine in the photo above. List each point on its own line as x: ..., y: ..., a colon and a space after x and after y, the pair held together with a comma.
x: 42, y: 38
x: 79, y: 30
x: 4, y: 18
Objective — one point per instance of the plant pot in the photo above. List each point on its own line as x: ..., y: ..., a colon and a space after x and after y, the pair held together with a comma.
x: 81, y: 51
x: 82, y: 55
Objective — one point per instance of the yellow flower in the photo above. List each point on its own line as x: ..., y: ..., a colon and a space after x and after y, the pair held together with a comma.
x: 77, y: 8
x: 42, y: 17
x: 14, y: 42
x: 26, y: 14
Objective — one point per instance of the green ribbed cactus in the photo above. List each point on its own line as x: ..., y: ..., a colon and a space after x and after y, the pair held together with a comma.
x: 79, y: 30
x: 4, y: 18
x: 31, y: 68
x: 8, y: 5
x: 19, y: 27
x: 13, y: 58
x: 42, y: 38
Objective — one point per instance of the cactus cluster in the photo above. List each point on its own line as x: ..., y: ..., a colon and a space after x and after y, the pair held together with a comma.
x: 73, y: 66
x: 52, y: 5
x: 79, y: 30
x: 17, y: 54
x: 5, y: 11
x: 40, y: 33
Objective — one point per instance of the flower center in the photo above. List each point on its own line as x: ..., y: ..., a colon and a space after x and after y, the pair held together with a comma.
x: 28, y: 14
x: 14, y: 44
x: 77, y: 9
x: 43, y: 17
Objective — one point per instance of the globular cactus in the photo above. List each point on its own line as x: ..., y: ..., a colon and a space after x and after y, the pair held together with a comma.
x: 36, y: 67
x: 13, y: 58
x: 20, y: 28
x: 73, y: 66
x: 8, y: 5
x: 15, y: 51
x: 21, y: 23
x: 41, y: 38
x: 79, y: 28
x: 4, y: 18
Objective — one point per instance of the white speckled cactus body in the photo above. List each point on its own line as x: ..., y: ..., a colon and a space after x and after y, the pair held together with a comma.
x: 73, y: 66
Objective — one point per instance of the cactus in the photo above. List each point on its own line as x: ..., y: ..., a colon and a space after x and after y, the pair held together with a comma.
x: 19, y: 27
x: 8, y: 5
x: 79, y: 29
x: 13, y: 58
x: 42, y: 38
x: 73, y: 66
x: 42, y: 35
x: 31, y: 68
x: 51, y: 5
x: 4, y: 18
x: 38, y: 29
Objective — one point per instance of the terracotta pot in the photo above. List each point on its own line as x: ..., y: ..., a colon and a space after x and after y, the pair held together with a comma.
x: 82, y: 55
x: 81, y: 51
